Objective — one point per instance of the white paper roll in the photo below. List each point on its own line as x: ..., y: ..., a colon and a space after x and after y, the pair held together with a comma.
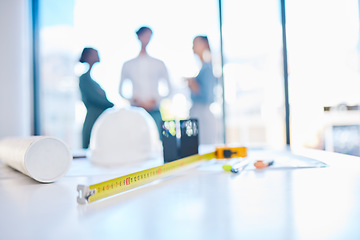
x: 45, y: 159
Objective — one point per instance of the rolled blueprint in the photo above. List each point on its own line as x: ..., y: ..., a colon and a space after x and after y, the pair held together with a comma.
x: 45, y: 159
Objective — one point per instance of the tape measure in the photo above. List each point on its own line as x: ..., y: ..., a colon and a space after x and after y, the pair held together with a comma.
x: 92, y: 193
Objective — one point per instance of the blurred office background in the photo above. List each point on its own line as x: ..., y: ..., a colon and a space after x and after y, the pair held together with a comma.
x: 247, y: 41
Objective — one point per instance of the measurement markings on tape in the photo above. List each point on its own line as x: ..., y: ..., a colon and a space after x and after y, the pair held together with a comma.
x: 88, y: 194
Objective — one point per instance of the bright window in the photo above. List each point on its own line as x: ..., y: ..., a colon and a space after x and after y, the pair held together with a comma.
x: 323, y: 64
x: 109, y: 26
x: 324, y: 80
x: 253, y: 73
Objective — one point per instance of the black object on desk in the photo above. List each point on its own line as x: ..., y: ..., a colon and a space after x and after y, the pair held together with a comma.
x: 180, y: 139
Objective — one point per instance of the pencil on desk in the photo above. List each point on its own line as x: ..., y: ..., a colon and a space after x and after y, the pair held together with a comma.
x: 263, y: 164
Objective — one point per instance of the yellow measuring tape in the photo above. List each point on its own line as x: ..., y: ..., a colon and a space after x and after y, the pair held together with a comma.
x: 92, y: 193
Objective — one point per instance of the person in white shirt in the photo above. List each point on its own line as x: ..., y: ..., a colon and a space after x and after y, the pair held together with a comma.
x: 145, y: 73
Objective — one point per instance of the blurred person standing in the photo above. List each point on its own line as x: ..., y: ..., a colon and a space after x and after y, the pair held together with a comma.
x: 145, y: 73
x: 202, y: 92
x: 92, y: 94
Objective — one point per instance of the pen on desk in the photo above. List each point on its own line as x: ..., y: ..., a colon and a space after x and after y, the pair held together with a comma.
x: 240, y: 166
x: 263, y: 164
x: 237, y: 167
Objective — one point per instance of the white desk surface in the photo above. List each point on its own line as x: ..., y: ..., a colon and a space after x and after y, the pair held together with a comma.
x: 201, y: 203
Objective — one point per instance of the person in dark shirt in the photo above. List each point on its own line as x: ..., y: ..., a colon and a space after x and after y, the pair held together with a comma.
x: 92, y: 94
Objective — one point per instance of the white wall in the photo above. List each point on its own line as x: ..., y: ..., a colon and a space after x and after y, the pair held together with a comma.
x: 15, y: 68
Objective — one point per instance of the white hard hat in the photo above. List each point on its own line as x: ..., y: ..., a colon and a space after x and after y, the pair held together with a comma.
x: 122, y: 136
